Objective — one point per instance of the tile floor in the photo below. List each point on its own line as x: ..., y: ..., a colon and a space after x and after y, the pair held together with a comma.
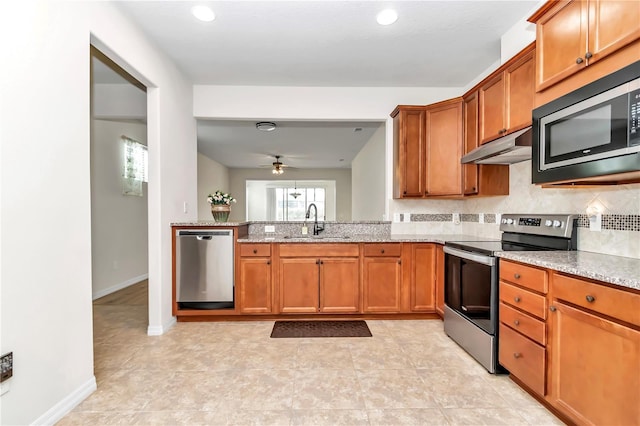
x: 233, y: 373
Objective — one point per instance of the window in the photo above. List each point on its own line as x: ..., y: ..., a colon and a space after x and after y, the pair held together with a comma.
x: 134, y: 166
x: 284, y: 200
x: 292, y: 203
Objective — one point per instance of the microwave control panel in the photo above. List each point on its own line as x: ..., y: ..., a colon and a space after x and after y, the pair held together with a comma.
x: 634, y: 118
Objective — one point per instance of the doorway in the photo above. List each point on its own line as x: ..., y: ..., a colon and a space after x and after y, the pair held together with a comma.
x: 119, y: 206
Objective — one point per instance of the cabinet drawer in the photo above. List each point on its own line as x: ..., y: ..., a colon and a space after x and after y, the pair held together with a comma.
x: 393, y: 249
x: 255, y: 250
x: 523, y: 358
x: 523, y: 299
x: 529, y: 326
x: 612, y: 302
x: 525, y: 276
x: 319, y: 250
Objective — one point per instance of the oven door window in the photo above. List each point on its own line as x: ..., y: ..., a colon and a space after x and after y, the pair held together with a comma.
x: 468, y: 290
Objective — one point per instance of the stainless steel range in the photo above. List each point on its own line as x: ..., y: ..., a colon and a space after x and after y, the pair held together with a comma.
x: 471, y: 278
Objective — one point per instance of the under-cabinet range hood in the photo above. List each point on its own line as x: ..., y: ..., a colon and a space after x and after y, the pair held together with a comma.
x: 509, y: 149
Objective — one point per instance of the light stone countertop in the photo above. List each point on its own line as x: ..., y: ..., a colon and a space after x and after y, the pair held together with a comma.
x: 618, y: 270
x: 204, y: 223
x: 362, y: 238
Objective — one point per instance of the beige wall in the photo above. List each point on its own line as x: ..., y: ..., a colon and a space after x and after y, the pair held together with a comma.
x: 367, y: 179
x: 239, y: 177
x: 211, y: 177
x: 119, y: 225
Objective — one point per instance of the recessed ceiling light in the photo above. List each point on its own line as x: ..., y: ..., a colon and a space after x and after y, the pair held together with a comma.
x: 266, y: 126
x: 387, y: 17
x: 203, y: 13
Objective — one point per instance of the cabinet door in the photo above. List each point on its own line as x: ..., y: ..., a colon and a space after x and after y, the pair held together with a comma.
x: 411, y: 145
x: 444, y: 149
x: 595, y: 375
x: 519, y: 81
x: 470, y: 134
x: 561, y: 37
x: 299, y: 285
x: 382, y: 280
x: 255, y: 286
x: 440, y: 280
x: 492, y: 109
x: 339, y: 285
x: 612, y: 25
x: 423, y: 277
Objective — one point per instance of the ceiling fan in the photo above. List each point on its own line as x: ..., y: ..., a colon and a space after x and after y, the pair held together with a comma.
x: 277, y: 167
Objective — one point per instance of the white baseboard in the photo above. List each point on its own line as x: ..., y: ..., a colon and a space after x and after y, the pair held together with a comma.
x: 68, y: 403
x: 158, y: 330
x: 119, y: 286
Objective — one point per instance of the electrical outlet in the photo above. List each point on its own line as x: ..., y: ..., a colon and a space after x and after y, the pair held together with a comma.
x: 406, y: 217
x: 481, y: 218
x: 456, y: 218
x: 7, y: 366
x: 595, y: 222
x: 185, y: 207
x: 269, y: 228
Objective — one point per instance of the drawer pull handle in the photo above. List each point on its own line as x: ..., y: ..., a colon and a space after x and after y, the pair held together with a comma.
x: 255, y: 251
x: 516, y: 322
x: 517, y: 355
x: 516, y: 276
x: 552, y: 308
x: 517, y: 299
x: 590, y: 298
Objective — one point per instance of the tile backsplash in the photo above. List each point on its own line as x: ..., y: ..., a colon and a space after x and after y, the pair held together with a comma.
x: 619, y: 205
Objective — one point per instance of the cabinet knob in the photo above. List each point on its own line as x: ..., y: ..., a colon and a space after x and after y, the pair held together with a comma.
x: 322, y: 262
x: 268, y: 262
x: 579, y: 60
x: 517, y: 355
x: 590, y: 298
x: 473, y: 188
x: 255, y: 251
x: 516, y: 276
x: 382, y: 251
x: 405, y: 192
x: 399, y: 262
x: 517, y: 299
x: 553, y: 308
x: 588, y: 55
x: 516, y: 322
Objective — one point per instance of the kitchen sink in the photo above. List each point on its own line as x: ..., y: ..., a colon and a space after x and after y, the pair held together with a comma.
x: 317, y: 237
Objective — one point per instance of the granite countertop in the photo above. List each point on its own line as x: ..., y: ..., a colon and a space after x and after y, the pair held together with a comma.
x: 203, y: 223
x: 346, y: 238
x: 618, y: 270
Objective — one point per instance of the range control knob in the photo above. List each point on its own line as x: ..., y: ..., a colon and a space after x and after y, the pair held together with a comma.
x: 548, y: 222
x: 557, y: 224
x: 509, y: 221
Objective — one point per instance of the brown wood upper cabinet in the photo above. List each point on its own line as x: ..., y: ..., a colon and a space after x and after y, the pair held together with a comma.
x: 507, y: 97
x: 427, y: 150
x: 444, y: 148
x: 574, y: 34
x: 409, y: 126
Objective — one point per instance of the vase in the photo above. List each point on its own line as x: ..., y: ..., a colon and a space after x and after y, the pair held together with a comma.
x: 220, y: 212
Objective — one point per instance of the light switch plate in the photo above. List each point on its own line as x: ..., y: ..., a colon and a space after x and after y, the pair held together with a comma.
x: 595, y: 222
x: 269, y: 228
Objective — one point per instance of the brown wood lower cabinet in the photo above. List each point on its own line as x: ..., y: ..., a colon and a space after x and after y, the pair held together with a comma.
x: 320, y: 277
x: 382, y: 283
x: 422, y: 279
x: 594, y: 357
x: 256, y: 296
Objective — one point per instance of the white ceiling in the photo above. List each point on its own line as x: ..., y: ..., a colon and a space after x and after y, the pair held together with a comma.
x: 321, y: 43
x: 238, y: 144
x: 331, y: 43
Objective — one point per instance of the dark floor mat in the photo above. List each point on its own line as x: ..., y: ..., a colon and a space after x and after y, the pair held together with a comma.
x: 320, y: 329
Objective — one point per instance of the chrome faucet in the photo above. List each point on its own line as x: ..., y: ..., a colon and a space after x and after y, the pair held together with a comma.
x: 316, y: 228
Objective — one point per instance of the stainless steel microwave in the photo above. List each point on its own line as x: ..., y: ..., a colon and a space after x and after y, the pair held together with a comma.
x: 593, y: 131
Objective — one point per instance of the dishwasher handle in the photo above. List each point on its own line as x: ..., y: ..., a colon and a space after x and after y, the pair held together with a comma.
x: 203, y: 233
x: 203, y: 237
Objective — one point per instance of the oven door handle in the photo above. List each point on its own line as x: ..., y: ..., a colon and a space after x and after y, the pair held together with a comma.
x: 479, y: 258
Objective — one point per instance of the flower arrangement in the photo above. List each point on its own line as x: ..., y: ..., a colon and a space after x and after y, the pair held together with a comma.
x: 220, y: 198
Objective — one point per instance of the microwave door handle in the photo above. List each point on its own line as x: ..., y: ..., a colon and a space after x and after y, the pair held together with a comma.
x: 479, y: 258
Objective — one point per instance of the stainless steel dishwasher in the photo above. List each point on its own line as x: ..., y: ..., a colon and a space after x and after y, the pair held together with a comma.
x: 204, y: 268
